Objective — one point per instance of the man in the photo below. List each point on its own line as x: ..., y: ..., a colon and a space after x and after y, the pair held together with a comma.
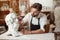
x: 36, y: 20
x: 12, y: 23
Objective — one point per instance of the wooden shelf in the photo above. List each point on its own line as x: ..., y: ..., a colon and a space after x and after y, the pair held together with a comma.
x: 2, y: 17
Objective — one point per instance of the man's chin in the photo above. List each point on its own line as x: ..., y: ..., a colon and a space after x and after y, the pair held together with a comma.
x: 34, y: 15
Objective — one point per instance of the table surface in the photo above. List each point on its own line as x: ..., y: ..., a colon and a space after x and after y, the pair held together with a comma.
x: 45, y: 36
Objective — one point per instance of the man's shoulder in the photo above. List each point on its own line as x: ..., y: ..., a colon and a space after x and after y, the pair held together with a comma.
x: 28, y: 14
x: 43, y: 15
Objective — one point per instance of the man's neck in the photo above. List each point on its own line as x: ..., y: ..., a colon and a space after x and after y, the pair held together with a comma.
x: 37, y: 16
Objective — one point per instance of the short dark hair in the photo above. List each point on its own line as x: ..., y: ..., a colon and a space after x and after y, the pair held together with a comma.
x: 38, y: 6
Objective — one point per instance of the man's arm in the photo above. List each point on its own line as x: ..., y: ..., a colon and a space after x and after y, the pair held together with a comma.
x: 39, y: 31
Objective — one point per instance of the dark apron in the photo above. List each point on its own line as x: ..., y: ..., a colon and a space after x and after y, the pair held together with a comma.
x: 34, y: 27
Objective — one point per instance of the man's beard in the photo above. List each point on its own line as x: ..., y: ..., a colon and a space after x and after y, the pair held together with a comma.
x: 34, y: 15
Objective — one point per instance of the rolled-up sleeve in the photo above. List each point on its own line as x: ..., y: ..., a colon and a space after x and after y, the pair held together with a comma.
x: 26, y: 18
x: 43, y: 22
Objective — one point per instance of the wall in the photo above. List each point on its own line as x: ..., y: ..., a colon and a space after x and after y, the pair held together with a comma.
x: 47, y: 4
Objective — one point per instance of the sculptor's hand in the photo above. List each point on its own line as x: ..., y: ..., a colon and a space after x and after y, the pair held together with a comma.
x: 27, y: 32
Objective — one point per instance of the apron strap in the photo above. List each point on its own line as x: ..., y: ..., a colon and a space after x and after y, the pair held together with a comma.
x: 39, y: 21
